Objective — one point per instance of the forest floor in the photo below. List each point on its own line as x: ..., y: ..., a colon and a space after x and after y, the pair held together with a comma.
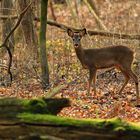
x: 66, y: 70
x: 107, y: 103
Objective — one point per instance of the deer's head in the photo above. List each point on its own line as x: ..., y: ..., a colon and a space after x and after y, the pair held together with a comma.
x: 76, y: 36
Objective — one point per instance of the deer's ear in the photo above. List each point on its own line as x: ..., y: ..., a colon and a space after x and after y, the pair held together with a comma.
x: 83, y: 32
x: 70, y: 32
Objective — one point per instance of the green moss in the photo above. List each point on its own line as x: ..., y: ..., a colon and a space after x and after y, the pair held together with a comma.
x: 119, y: 129
x: 45, y: 106
x: 114, y: 124
x: 134, y: 126
x: 56, y: 120
x: 36, y: 106
x: 36, y: 110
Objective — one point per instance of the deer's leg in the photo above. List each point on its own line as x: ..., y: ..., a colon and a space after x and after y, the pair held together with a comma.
x: 92, y: 76
x: 126, y: 80
x: 94, y: 82
x: 135, y: 78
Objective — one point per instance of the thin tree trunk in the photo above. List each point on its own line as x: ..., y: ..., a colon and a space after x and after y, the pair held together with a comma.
x: 7, y: 25
x: 52, y: 11
x: 42, y: 44
x: 28, y: 29
x: 99, y: 22
x: 73, y: 13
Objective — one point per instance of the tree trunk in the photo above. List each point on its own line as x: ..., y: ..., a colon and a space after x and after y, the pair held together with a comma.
x: 7, y: 25
x: 52, y: 10
x: 42, y: 44
x: 73, y: 13
x: 28, y: 29
x: 91, y: 7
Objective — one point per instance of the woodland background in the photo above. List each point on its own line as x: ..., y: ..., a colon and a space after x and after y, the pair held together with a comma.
x: 66, y: 77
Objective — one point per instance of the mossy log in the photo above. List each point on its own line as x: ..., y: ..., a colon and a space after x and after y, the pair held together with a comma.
x: 33, y: 120
x: 9, y: 107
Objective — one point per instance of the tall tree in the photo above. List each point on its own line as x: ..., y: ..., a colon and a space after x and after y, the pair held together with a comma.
x: 42, y: 43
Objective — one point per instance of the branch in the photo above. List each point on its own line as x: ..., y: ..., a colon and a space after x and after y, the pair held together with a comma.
x: 91, y: 32
x: 55, y: 91
x: 5, y: 17
x: 17, y: 24
x: 8, y: 36
x: 98, y: 20
x: 116, y: 35
x: 10, y: 62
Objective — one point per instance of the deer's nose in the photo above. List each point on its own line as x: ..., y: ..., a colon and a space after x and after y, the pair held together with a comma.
x: 76, y: 44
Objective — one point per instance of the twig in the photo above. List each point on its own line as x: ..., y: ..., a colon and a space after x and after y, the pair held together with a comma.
x: 5, y: 17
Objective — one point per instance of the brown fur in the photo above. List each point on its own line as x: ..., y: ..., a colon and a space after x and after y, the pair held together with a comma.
x: 115, y: 56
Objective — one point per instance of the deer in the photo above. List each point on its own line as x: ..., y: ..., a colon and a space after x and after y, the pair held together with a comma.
x: 119, y: 56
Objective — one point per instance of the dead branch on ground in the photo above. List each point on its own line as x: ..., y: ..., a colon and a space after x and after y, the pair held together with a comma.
x: 55, y: 91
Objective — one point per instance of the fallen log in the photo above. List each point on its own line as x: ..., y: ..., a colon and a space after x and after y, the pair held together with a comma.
x: 28, y: 119
x: 10, y: 107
